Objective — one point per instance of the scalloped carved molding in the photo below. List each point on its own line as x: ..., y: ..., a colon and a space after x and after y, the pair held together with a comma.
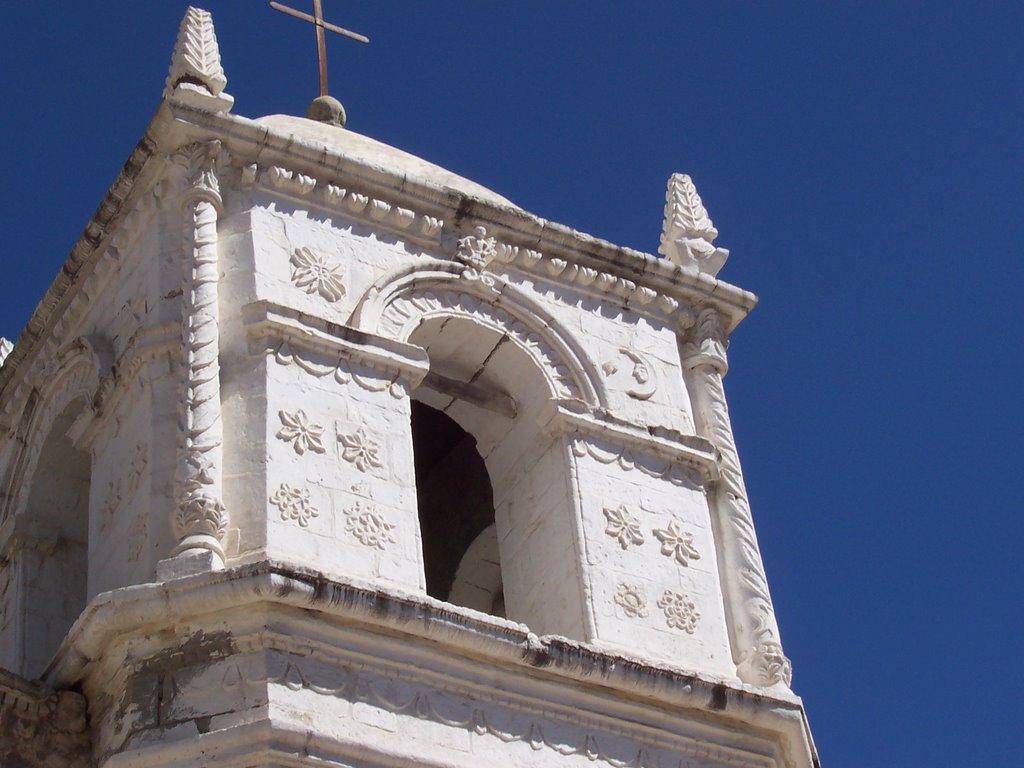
x: 470, y: 248
x: 481, y: 249
x: 351, y: 203
x: 343, y: 371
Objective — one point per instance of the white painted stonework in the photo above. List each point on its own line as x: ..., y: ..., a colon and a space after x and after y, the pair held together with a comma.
x: 209, y: 516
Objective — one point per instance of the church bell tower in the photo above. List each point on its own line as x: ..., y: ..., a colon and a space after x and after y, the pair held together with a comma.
x: 318, y: 454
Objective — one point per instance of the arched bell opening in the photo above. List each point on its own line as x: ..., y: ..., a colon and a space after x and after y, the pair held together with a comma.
x: 455, y: 500
x: 55, y: 556
x: 479, y: 413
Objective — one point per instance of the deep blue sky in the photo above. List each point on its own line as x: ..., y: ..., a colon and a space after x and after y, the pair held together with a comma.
x: 862, y: 161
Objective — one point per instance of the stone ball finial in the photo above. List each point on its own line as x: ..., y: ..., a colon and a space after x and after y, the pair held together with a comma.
x: 327, y: 109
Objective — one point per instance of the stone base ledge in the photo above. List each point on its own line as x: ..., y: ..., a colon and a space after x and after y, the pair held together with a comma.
x: 278, y: 635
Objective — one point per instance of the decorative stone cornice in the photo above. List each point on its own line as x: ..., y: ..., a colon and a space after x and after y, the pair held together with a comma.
x: 279, y: 180
x: 478, y: 249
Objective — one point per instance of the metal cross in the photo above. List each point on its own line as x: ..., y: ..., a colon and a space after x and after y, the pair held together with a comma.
x: 317, y: 19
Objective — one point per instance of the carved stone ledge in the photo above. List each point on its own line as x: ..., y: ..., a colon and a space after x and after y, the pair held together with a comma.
x: 318, y: 644
x: 286, y: 332
x: 682, y: 459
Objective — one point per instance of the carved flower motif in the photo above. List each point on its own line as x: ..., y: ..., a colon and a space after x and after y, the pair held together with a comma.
x: 623, y: 527
x: 294, y: 504
x: 680, y: 611
x: 315, y: 274
x: 360, y: 450
x: 368, y: 526
x: 632, y: 600
x: 677, y: 543
x: 301, y: 432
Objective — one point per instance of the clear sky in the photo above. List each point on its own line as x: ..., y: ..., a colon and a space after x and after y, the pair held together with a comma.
x: 863, y: 163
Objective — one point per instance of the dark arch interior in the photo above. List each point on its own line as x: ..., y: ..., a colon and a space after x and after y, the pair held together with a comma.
x: 58, y: 521
x: 456, y: 502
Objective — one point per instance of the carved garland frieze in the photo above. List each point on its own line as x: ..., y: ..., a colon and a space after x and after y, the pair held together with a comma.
x: 343, y: 372
x: 598, y: 742
x: 316, y: 273
x: 627, y: 459
x: 477, y: 249
x: 347, y: 201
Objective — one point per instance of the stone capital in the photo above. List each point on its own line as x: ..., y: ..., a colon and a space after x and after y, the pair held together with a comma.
x: 706, y: 343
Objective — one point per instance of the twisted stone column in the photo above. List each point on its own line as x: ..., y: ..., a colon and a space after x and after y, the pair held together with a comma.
x: 201, y: 520
x: 753, y: 631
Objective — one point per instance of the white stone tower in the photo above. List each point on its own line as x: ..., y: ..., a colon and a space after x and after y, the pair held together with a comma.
x: 317, y: 454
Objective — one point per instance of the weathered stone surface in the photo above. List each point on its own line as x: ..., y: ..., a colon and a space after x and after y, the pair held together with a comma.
x: 40, y: 728
x: 212, y: 524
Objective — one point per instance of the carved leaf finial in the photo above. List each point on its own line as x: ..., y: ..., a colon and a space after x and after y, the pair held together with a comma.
x: 196, y: 76
x: 688, y: 234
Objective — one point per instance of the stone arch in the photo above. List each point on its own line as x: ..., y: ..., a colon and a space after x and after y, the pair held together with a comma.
x: 498, y: 361
x: 399, y: 302
x: 49, y: 493
x: 73, y: 376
